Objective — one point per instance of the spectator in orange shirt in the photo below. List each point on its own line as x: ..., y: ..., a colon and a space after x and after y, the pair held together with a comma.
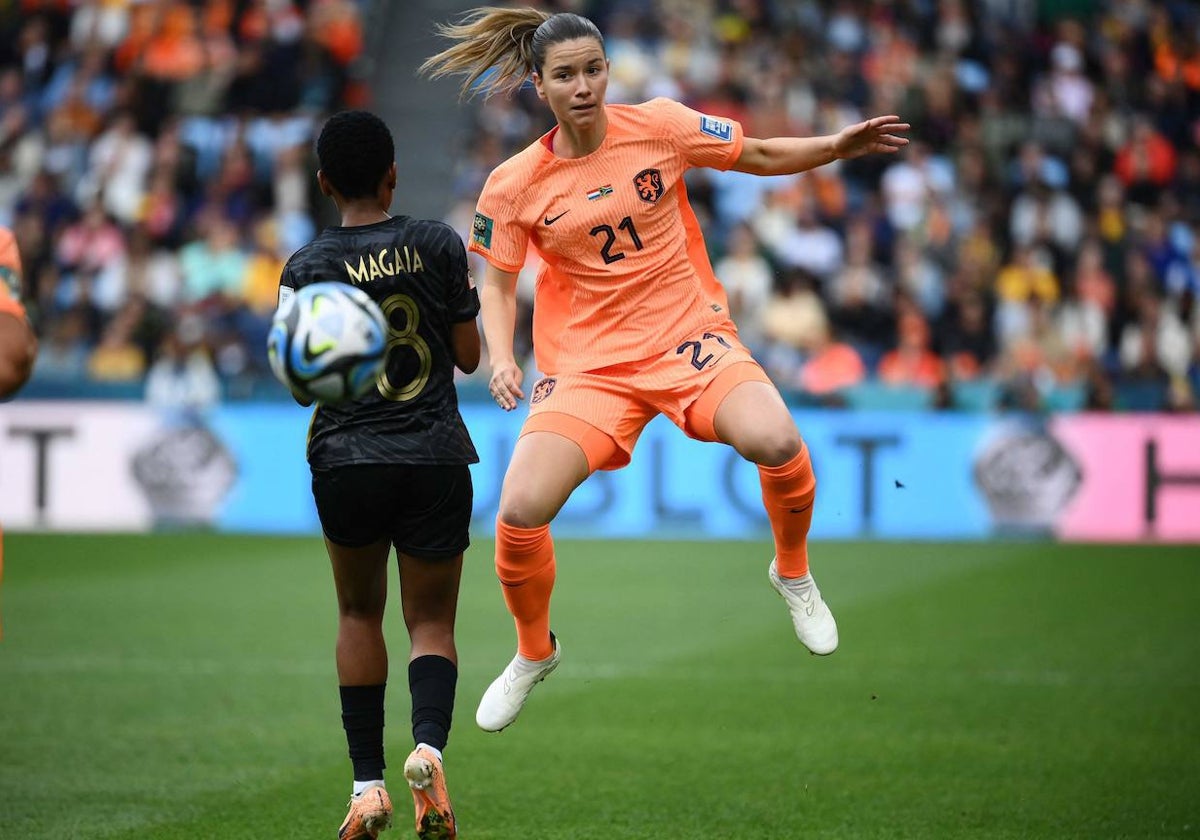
x: 174, y: 52
x: 1177, y: 59
x: 337, y: 27
x: 1147, y: 162
x: 832, y: 365
x: 912, y: 362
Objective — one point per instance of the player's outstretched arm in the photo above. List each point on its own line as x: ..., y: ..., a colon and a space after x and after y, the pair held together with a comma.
x: 18, y: 350
x: 789, y: 155
x: 498, y: 303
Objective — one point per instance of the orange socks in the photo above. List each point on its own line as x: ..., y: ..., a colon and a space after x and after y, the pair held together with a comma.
x: 788, y: 492
x: 525, y: 566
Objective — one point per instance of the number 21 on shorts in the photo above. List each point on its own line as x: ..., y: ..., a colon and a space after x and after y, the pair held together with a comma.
x: 700, y: 362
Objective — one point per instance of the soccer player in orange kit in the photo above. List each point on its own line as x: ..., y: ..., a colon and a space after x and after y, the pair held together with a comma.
x: 18, y: 344
x: 629, y: 321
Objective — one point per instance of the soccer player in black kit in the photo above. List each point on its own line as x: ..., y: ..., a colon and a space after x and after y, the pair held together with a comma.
x: 391, y: 468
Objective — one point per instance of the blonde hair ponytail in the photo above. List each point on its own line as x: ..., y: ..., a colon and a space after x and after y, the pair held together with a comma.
x: 510, y: 42
x: 488, y: 37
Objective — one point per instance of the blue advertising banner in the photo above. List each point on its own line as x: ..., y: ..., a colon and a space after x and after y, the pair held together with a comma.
x: 880, y: 474
x: 901, y: 475
x: 273, y: 491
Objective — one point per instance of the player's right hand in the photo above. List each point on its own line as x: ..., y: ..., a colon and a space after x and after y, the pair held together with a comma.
x: 505, y: 385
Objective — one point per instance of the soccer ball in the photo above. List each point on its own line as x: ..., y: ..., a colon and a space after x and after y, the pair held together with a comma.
x: 328, y: 342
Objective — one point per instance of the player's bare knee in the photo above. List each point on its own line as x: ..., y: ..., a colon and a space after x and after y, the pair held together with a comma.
x: 518, y: 517
x: 773, y: 447
x: 364, y: 611
x: 523, y: 508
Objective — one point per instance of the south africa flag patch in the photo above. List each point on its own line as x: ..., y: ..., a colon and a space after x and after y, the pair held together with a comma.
x: 600, y: 192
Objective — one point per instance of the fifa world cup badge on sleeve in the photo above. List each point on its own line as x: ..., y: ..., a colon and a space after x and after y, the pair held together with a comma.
x: 714, y: 127
x: 481, y: 231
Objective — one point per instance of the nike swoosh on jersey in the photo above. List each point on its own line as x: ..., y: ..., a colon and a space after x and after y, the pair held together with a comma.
x: 549, y: 221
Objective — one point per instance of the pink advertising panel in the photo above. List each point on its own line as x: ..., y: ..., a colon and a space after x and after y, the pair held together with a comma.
x: 1140, y: 477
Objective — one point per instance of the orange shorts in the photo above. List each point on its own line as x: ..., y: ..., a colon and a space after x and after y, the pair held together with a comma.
x: 612, y: 405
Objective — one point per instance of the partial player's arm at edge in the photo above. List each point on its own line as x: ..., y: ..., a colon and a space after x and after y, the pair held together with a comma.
x: 18, y: 351
x: 790, y: 155
x: 18, y: 342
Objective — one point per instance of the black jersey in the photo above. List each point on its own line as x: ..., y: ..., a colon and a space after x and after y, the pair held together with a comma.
x: 416, y: 270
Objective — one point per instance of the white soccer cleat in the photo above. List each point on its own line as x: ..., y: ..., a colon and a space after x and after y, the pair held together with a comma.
x: 506, y: 695
x: 811, y: 617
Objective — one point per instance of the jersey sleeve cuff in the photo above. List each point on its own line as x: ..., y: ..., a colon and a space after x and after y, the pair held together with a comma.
x: 735, y: 152
x: 491, y: 260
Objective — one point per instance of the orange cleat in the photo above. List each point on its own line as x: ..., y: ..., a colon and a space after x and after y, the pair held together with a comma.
x: 434, y: 816
x: 370, y: 813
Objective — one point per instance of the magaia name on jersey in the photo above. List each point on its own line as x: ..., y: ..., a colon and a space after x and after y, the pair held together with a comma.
x: 371, y: 266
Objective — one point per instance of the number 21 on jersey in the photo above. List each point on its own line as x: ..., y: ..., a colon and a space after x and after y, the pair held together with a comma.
x: 610, y: 239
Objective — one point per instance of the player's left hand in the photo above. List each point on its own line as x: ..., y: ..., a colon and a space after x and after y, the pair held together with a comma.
x: 505, y: 385
x: 876, y: 135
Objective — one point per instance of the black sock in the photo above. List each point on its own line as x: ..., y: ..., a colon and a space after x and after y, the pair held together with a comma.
x: 362, y: 718
x: 431, y: 680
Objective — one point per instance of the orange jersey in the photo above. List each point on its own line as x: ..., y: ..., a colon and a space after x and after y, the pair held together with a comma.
x: 10, y: 302
x: 10, y: 275
x: 625, y: 273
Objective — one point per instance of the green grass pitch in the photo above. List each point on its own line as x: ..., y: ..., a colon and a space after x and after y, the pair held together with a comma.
x: 183, y: 687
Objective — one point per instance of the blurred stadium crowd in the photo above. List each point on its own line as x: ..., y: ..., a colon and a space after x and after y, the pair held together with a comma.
x: 155, y: 165
x: 1035, y: 248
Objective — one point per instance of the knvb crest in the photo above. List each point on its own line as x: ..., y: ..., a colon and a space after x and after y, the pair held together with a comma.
x: 649, y: 184
x: 542, y: 389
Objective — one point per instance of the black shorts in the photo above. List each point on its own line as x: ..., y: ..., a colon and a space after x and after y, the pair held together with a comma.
x: 424, y: 510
